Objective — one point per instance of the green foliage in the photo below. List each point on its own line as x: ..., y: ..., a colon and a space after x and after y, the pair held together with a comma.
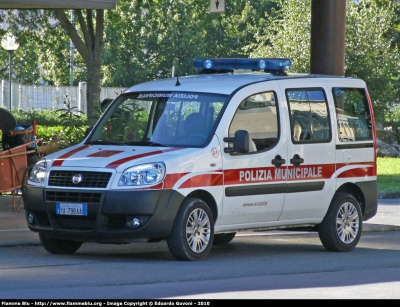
x: 66, y: 126
x: 145, y: 39
x: 45, y: 117
x: 57, y: 134
x: 370, y: 52
x: 392, y: 119
x: 68, y: 116
x: 388, y: 174
x: 287, y: 33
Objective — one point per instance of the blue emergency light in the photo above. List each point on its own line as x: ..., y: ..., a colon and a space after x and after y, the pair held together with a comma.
x: 276, y: 65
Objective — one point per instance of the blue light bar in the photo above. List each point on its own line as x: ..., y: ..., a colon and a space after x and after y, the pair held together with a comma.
x: 268, y: 65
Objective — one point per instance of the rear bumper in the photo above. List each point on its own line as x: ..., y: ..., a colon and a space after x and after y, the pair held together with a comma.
x: 370, y: 192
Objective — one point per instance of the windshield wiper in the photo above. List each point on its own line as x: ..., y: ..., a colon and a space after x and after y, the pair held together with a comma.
x: 101, y: 142
x: 145, y: 143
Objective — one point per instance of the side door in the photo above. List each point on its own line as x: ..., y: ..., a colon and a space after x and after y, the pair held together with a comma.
x: 311, y: 152
x: 253, y: 194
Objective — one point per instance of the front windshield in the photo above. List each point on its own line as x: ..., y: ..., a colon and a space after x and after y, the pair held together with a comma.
x: 159, y: 119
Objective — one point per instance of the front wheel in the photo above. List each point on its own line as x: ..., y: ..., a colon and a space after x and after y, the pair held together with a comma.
x: 192, y: 235
x: 56, y: 246
x: 341, y: 228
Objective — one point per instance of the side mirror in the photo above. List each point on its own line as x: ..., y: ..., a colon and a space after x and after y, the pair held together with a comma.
x: 240, y: 142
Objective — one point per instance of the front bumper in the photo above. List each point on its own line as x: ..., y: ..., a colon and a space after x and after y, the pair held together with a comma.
x: 109, y: 214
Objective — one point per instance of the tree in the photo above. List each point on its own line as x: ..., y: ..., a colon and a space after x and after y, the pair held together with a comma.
x: 43, y: 26
x: 89, y: 43
x: 144, y: 39
x: 370, y: 53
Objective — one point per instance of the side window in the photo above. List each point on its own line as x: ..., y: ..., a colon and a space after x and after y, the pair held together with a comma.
x: 353, y: 114
x: 257, y: 115
x: 309, y: 118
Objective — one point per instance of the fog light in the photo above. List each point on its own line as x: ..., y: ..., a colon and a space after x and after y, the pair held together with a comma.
x: 31, y: 218
x: 135, y: 222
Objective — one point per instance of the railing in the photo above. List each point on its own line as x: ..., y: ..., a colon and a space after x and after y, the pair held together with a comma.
x: 47, y: 97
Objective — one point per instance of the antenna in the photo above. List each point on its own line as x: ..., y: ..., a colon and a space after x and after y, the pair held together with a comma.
x: 177, y: 81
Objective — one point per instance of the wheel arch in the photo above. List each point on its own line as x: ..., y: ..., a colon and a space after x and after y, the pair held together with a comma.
x: 357, y: 193
x: 208, y: 199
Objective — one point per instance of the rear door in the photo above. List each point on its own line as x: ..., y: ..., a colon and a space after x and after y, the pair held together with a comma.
x: 311, y: 151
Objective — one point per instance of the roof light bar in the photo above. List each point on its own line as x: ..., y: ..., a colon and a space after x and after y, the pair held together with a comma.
x: 268, y: 65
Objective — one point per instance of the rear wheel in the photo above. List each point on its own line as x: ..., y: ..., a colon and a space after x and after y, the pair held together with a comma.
x: 56, y: 246
x: 341, y: 228
x: 192, y: 235
x: 223, y: 238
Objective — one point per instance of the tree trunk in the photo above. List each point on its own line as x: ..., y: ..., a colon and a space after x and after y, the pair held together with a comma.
x: 93, y: 92
x: 91, y: 50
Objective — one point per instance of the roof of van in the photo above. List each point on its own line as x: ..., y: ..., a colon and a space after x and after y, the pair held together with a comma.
x: 224, y: 83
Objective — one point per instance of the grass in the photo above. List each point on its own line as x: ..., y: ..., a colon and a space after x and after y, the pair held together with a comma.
x: 389, y: 175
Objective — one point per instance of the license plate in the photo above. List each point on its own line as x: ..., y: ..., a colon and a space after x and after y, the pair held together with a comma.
x: 71, y: 209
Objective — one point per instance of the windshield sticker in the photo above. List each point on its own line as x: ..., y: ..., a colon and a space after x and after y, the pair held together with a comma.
x: 155, y: 95
x: 168, y: 95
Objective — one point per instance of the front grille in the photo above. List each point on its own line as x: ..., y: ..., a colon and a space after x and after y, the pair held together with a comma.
x: 73, y: 197
x: 90, y: 179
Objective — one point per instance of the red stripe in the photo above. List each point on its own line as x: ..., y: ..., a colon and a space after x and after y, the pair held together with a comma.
x: 59, y: 161
x: 357, y: 172
x: 271, y: 174
x: 117, y: 163
x: 204, y: 180
x: 232, y: 176
x: 370, y: 165
x: 171, y: 180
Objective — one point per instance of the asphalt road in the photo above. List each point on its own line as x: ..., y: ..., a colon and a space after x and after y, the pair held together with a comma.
x: 268, y: 266
x: 13, y: 228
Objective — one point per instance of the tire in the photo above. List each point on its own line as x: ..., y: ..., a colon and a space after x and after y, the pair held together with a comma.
x: 61, y: 247
x: 341, y: 228
x: 192, y: 235
x: 223, y: 238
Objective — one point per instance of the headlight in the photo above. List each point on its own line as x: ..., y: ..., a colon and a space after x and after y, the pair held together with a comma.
x: 38, y: 171
x: 144, y: 174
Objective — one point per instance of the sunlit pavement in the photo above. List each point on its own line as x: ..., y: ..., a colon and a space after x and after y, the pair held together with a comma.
x: 14, y: 230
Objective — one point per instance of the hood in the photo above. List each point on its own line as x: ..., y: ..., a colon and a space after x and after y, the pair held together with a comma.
x: 108, y: 156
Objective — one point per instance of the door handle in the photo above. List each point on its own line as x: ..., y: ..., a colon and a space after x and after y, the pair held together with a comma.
x: 278, y: 161
x: 296, y: 160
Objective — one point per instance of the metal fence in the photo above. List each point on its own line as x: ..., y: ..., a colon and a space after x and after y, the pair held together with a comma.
x: 44, y: 97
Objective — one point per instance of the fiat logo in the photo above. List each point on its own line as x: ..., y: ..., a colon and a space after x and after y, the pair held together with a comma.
x: 77, y: 178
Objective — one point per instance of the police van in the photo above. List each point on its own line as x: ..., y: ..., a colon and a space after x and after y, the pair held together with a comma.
x: 241, y: 146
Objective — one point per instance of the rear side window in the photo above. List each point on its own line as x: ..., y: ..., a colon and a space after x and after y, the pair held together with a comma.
x: 309, y: 117
x: 353, y: 114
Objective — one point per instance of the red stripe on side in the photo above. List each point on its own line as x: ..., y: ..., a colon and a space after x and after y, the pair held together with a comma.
x: 117, y: 163
x: 272, y: 174
x: 371, y: 165
x: 59, y: 161
x: 203, y: 180
x: 358, y: 172
x: 171, y: 180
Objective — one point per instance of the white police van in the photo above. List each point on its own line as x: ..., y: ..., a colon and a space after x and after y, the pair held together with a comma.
x: 196, y: 159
